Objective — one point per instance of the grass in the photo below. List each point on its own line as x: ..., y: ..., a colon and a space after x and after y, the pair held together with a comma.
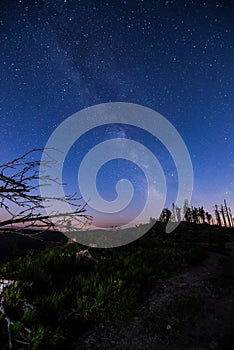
x: 67, y: 301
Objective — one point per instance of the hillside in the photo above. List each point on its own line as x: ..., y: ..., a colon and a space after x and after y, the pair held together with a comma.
x: 193, y: 310
x: 158, y: 292
x: 15, y: 242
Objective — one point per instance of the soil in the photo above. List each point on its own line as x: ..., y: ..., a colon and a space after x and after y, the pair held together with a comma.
x: 193, y: 310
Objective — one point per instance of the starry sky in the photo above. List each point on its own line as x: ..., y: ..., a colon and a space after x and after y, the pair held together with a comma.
x: 175, y: 57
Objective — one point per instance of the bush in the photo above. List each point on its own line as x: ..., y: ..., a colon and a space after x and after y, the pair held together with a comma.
x: 13, y: 297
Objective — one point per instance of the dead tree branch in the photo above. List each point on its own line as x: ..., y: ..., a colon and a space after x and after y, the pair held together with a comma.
x: 20, y: 197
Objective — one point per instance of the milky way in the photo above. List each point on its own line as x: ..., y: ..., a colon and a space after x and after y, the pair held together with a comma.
x: 176, y: 57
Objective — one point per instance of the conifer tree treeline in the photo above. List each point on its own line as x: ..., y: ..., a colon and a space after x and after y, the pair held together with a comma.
x: 222, y: 215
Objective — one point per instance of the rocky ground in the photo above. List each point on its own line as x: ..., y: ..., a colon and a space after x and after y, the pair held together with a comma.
x: 192, y: 311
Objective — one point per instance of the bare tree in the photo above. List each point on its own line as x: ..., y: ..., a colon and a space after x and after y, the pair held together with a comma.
x: 222, y: 211
x: 187, y: 212
x: 178, y: 214
x: 217, y: 215
x: 20, y: 199
x: 231, y: 218
x: 227, y: 213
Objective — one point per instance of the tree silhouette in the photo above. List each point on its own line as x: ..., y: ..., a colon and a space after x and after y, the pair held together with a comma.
x: 202, y: 214
x: 218, y: 219
x: 208, y: 217
x: 223, y: 215
x: 187, y: 212
x: 195, y: 215
x: 227, y: 212
x: 21, y: 203
x: 178, y: 214
x: 230, y: 215
x: 165, y: 215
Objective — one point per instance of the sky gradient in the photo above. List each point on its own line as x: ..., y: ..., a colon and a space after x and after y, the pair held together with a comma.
x: 176, y: 57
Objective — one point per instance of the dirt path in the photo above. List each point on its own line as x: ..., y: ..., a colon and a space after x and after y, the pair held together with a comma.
x: 192, y: 311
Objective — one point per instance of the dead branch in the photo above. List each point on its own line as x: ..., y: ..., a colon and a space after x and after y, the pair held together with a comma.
x: 19, y: 190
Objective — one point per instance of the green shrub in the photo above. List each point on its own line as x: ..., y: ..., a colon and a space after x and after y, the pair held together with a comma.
x: 38, y: 338
x: 13, y: 297
x: 29, y: 317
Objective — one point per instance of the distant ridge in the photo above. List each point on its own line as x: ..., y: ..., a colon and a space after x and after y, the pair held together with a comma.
x: 15, y: 242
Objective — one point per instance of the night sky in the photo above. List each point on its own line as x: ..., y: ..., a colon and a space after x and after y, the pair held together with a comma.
x: 175, y: 57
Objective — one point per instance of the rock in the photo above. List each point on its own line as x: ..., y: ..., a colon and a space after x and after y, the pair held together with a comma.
x: 82, y: 261
x: 168, y: 327
x: 83, y: 254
